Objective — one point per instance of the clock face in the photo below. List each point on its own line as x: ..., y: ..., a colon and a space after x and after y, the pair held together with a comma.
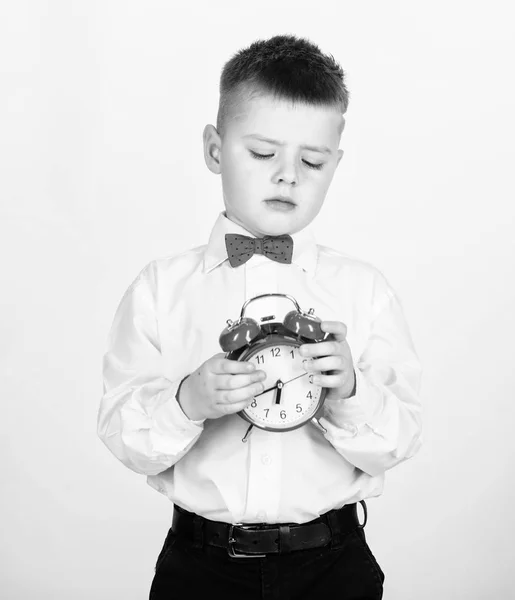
x: 289, y: 399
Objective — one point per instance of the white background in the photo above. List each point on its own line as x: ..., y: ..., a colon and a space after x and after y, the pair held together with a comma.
x: 103, y: 106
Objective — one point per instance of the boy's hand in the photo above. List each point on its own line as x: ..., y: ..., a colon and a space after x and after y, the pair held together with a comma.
x: 219, y: 387
x: 335, y: 358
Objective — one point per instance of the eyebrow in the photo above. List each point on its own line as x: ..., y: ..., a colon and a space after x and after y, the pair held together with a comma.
x: 323, y: 149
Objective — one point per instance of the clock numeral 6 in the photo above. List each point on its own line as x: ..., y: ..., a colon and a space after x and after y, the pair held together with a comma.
x: 283, y: 414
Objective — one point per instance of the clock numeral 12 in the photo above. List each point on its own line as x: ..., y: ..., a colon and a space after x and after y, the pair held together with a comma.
x: 275, y: 352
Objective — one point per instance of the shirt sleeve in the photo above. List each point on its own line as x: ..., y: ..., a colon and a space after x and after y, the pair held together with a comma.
x: 139, y: 419
x: 380, y: 426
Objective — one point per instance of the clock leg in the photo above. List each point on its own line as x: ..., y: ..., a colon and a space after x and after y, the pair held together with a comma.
x: 246, y: 436
x: 316, y: 422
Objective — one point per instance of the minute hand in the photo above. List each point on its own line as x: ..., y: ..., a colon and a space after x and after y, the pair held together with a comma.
x: 294, y: 378
x: 275, y: 386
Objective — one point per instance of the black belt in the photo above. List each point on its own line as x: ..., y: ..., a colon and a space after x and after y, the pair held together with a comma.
x: 257, y: 540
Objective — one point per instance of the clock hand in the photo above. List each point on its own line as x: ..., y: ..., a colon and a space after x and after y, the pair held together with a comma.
x: 280, y: 385
x: 289, y: 380
x: 265, y: 391
x: 275, y: 386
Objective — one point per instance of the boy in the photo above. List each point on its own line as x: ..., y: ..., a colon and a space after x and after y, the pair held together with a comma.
x: 275, y: 517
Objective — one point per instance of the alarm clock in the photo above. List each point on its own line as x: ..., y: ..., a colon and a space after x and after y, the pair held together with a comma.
x: 290, y: 398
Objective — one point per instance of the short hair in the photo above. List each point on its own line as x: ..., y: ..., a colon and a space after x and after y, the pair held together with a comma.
x: 285, y: 66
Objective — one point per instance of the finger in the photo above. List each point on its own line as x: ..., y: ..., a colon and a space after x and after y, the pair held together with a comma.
x: 239, y: 394
x: 320, y: 349
x: 331, y: 381
x: 336, y: 328
x: 231, y: 382
x: 327, y: 363
x: 226, y: 365
x: 228, y: 409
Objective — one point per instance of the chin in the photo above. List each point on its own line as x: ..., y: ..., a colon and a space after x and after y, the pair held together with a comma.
x: 278, y: 224
x: 284, y: 228
x: 277, y: 230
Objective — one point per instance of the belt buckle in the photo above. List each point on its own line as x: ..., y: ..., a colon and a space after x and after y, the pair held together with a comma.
x: 230, y: 548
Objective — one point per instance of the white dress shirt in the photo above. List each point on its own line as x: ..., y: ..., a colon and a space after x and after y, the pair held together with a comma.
x: 169, y: 322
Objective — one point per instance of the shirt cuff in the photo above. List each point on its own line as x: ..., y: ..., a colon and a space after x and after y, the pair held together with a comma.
x: 173, y: 419
x: 179, y: 404
x: 358, y: 409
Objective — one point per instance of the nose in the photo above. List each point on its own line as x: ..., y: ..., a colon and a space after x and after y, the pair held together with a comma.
x: 286, y: 172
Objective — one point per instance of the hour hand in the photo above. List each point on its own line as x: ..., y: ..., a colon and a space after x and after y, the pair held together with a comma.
x: 280, y: 385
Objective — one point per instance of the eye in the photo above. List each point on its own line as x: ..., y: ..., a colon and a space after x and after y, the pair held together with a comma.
x: 313, y: 165
x: 260, y: 156
x: 316, y: 166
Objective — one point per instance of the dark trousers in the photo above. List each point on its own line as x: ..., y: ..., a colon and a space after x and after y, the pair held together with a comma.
x: 343, y: 571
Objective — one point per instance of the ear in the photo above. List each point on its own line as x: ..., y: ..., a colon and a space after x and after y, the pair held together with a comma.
x: 340, y: 154
x: 212, y: 149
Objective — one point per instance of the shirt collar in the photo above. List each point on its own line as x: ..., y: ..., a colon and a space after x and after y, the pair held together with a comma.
x: 305, y: 252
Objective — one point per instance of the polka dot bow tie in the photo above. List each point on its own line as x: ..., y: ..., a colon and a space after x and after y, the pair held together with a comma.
x: 240, y: 248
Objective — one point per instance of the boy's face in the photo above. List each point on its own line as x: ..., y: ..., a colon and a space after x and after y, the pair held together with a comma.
x: 277, y: 161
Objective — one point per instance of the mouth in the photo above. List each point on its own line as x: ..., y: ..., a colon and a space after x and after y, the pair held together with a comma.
x: 281, y: 203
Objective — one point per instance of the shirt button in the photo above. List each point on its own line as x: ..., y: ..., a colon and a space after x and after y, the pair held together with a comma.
x: 266, y: 460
